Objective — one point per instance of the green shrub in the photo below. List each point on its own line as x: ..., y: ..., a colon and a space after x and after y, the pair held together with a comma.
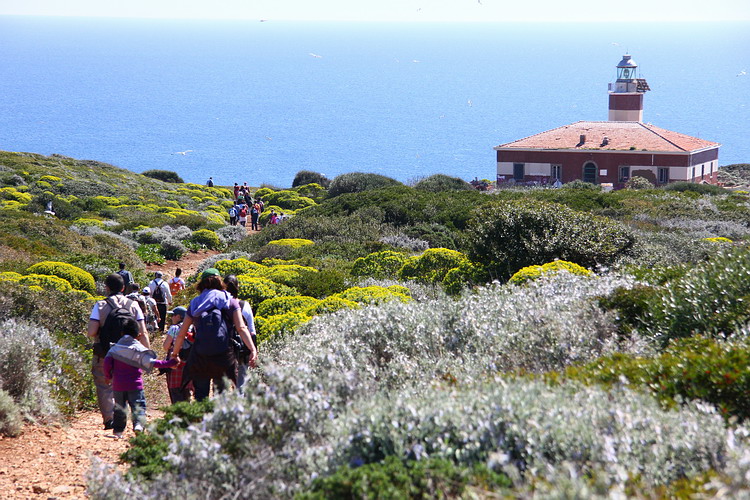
x: 150, y: 253
x: 356, y: 182
x: 77, y: 277
x: 715, y: 371
x: 207, y: 238
x: 684, y: 186
x: 148, y: 450
x: 164, y: 175
x: 380, y: 265
x: 638, y: 182
x: 531, y: 273
x: 404, y: 480
x: 580, y: 184
x: 439, y: 182
x: 432, y: 265
x: 283, y: 305
x: 305, y: 177
x: 11, y: 422
x: 172, y: 249
x: 710, y: 299
x: 467, y: 274
x: 515, y: 234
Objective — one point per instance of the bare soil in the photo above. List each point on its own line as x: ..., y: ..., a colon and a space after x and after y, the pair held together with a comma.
x: 50, y: 460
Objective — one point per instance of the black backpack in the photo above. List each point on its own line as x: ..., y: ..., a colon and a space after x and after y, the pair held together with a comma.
x: 158, y: 294
x: 241, y: 351
x: 111, y: 330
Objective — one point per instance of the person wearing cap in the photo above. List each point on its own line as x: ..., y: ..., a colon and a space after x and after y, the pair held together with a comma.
x: 203, y: 369
x: 175, y: 387
x: 161, y: 295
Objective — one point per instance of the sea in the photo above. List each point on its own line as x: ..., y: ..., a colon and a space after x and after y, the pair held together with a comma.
x: 251, y: 101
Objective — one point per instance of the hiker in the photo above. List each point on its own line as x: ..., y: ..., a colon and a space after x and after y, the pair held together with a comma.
x: 151, y: 312
x: 127, y: 386
x: 243, y: 214
x: 236, y: 191
x: 241, y: 352
x: 127, y: 278
x: 134, y: 293
x: 103, y: 314
x: 211, y: 357
x: 176, y: 284
x: 273, y: 218
x: 161, y: 295
x: 175, y: 388
x: 210, y: 182
x: 254, y: 214
x: 233, y: 215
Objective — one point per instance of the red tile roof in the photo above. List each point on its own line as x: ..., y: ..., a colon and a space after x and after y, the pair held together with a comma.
x: 621, y: 136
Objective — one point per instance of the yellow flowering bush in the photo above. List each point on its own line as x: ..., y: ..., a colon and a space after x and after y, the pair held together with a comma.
x: 719, y: 239
x: 292, y: 242
x: 256, y: 289
x: 379, y: 265
x: 89, y: 222
x: 286, y: 304
x: 432, y: 265
x: 239, y: 266
x: 77, y: 277
x: 329, y: 305
x: 531, y: 273
x: 46, y: 281
x: 12, y: 194
x: 281, y: 324
x: 50, y: 178
x: 371, y: 295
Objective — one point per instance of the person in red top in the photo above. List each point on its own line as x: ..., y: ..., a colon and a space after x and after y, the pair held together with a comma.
x: 175, y: 387
x: 127, y: 386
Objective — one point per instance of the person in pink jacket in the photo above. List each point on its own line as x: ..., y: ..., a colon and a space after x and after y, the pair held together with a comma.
x: 127, y: 386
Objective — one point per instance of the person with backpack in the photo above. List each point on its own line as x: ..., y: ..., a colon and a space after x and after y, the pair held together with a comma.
x: 161, y: 295
x: 127, y: 385
x: 212, y: 313
x: 105, y: 327
x: 254, y: 214
x: 176, y: 284
x: 127, y: 278
x: 233, y: 215
x: 151, y: 312
x: 241, y: 352
x: 178, y: 392
x: 242, y: 210
x: 210, y: 182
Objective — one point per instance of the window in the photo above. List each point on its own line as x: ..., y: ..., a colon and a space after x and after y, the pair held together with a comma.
x: 518, y: 171
x: 624, y: 174
x: 556, y: 172
x: 663, y: 175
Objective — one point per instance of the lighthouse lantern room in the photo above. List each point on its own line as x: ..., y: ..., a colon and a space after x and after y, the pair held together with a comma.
x: 626, y: 94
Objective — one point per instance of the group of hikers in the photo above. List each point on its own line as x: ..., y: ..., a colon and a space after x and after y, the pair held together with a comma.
x: 210, y: 341
x: 245, y: 204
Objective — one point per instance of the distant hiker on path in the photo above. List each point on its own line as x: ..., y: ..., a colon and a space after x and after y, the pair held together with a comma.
x: 127, y: 278
x: 176, y: 284
x: 210, y: 182
x: 161, y: 294
x: 105, y: 328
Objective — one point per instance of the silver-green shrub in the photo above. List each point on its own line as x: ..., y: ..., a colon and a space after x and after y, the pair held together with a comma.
x: 11, y: 422
x: 29, y: 367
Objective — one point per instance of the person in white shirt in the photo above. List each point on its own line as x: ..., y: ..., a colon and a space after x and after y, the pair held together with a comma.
x: 163, y: 297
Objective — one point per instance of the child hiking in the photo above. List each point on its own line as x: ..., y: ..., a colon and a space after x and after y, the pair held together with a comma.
x: 177, y: 392
x: 127, y: 386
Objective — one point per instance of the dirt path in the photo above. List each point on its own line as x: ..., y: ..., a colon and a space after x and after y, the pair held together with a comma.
x: 50, y: 461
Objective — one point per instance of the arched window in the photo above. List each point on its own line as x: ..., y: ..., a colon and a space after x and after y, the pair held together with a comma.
x: 589, y: 173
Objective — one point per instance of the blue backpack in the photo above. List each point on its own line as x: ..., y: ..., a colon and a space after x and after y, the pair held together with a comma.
x: 212, y: 333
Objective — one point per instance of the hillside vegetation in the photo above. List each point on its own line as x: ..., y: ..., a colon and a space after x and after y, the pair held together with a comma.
x: 416, y: 341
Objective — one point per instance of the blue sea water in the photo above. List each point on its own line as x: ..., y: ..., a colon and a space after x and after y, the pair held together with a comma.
x: 256, y: 102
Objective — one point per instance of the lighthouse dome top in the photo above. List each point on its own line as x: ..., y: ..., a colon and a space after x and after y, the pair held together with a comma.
x: 627, y: 62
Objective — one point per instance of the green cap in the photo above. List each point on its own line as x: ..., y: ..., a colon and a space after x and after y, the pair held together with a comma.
x: 211, y: 271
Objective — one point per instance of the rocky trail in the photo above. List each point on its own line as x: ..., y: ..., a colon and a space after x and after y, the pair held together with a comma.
x: 50, y: 460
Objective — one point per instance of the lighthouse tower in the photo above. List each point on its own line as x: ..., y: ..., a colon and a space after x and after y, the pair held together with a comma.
x: 626, y: 94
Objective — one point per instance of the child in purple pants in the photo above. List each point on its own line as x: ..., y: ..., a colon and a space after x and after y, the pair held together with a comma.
x: 127, y: 386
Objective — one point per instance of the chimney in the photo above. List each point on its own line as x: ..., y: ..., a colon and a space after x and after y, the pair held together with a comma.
x: 581, y: 141
x: 605, y: 141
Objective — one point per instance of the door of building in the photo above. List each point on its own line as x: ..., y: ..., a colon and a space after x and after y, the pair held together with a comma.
x: 589, y: 173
